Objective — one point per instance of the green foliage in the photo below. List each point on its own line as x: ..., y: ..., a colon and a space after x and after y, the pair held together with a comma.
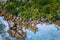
x: 49, y: 16
x: 34, y: 9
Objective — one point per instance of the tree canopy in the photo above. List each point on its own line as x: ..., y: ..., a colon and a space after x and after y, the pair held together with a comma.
x: 34, y: 9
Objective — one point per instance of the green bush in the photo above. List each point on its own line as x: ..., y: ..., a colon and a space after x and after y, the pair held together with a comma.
x: 34, y: 9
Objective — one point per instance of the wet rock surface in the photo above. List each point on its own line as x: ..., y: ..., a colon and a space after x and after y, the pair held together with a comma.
x: 57, y: 22
x: 13, y: 21
x: 16, y: 25
x: 6, y: 38
x: 16, y: 34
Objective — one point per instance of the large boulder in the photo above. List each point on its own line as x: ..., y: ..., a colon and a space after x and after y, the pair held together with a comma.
x: 11, y: 32
x: 16, y: 34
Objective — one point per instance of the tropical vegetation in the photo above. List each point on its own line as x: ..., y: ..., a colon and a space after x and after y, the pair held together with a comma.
x: 34, y: 9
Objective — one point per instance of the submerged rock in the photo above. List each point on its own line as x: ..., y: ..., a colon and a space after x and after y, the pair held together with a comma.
x: 6, y: 39
x: 2, y: 28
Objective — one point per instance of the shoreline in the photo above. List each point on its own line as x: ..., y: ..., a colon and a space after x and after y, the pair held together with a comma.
x: 32, y: 28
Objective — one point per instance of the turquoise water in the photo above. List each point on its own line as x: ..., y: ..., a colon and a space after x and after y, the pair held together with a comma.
x: 45, y: 32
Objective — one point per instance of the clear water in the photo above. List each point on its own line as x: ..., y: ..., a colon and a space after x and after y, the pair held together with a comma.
x: 45, y: 32
x: 4, y: 31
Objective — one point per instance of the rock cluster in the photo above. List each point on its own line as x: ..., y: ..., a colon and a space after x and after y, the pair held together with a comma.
x: 16, y: 25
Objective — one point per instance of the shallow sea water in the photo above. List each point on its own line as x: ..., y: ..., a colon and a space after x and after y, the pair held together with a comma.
x: 45, y: 32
